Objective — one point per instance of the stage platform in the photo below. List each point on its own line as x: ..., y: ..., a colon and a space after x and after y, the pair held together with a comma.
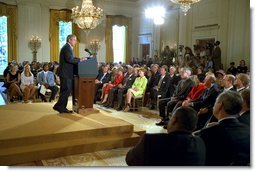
x: 32, y: 132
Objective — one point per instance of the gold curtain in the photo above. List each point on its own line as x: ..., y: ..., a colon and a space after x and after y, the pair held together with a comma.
x: 119, y: 21
x: 55, y: 17
x: 11, y: 12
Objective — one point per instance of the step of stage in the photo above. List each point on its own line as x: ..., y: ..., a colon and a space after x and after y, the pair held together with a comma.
x: 15, y: 155
x: 31, y: 132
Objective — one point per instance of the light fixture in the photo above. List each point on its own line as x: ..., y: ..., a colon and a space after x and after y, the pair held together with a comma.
x: 35, y: 44
x: 185, y: 4
x: 94, y: 46
x: 157, y: 14
x: 88, y: 17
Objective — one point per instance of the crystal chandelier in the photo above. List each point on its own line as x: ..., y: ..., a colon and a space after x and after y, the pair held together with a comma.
x: 88, y: 17
x: 185, y: 4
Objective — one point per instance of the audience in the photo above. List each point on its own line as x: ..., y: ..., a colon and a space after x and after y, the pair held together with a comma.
x: 13, y: 82
x: 183, y: 88
x: 46, y: 80
x: 177, y: 148
x: 242, y: 68
x: 102, y: 78
x: 244, y: 115
x: 121, y: 89
x: 160, y: 86
x: 232, y: 69
x: 27, y: 83
x: 138, y: 88
x: 242, y: 82
x: 227, y: 142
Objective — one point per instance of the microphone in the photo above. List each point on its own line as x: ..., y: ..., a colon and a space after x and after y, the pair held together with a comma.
x: 86, y: 50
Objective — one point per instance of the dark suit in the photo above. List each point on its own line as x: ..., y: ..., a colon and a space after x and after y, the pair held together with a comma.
x: 206, y: 100
x: 174, y: 149
x: 173, y: 82
x: 151, y: 81
x: 66, y: 71
x: 163, y: 88
x: 103, y: 79
x: 127, y: 83
x: 227, y: 143
x: 245, y: 118
x: 181, y: 91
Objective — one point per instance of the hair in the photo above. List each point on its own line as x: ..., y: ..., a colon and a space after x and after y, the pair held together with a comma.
x: 232, y: 102
x: 187, y: 70
x: 69, y: 37
x: 211, y: 77
x: 201, y: 77
x: 231, y: 78
x: 246, y: 96
x: 165, y: 67
x: 244, y: 79
x: 45, y: 64
x: 186, y: 118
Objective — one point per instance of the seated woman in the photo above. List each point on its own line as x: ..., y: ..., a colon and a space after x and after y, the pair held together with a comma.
x: 119, y: 78
x: 27, y: 83
x: 138, y: 88
x: 13, y: 81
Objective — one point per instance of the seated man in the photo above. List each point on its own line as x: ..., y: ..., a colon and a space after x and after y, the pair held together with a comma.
x: 177, y: 148
x: 227, y: 142
x: 160, y: 86
x: 46, y: 78
x: 102, y: 78
x: 182, y: 89
x: 244, y: 116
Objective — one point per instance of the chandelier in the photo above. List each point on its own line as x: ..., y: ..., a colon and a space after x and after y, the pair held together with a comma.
x: 88, y: 17
x: 185, y: 4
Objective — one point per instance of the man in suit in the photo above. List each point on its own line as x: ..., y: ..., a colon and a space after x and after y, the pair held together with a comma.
x: 205, y: 103
x: 242, y: 81
x: 228, y: 141
x: 102, y: 78
x: 46, y: 78
x: 228, y: 82
x: 180, y: 93
x: 216, y: 56
x: 177, y: 148
x: 244, y: 116
x: 160, y: 86
x: 66, y: 72
x: 121, y: 89
x: 173, y: 81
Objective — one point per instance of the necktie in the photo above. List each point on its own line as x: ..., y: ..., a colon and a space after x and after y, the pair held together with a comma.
x: 205, y: 93
x: 160, y: 81
x: 102, y: 77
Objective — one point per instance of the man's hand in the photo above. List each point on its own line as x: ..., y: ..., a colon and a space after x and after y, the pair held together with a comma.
x: 46, y: 85
x: 97, y: 81
x: 83, y: 59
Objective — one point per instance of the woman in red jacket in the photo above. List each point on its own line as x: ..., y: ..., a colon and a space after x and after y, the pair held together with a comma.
x: 118, y: 80
x: 196, y: 91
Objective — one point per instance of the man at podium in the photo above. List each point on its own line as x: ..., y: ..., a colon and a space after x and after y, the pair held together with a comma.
x: 66, y: 67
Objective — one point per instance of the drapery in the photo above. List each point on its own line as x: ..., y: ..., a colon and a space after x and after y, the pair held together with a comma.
x: 55, y: 17
x: 11, y: 12
x: 118, y: 20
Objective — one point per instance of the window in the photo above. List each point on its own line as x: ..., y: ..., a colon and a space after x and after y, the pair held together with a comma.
x: 65, y: 28
x: 3, y: 44
x: 119, y: 43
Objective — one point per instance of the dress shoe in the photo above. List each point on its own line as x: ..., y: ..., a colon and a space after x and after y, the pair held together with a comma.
x: 55, y: 108
x: 67, y: 111
x: 165, y: 126
x: 119, y: 108
x: 161, y: 123
x: 127, y: 108
x: 152, y: 107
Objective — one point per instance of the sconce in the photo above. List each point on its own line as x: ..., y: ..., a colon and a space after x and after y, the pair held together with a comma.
x: 35, y: 44
x: 94, y: 46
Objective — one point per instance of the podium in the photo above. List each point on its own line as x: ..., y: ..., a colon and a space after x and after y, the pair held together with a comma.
x: 84, y: 85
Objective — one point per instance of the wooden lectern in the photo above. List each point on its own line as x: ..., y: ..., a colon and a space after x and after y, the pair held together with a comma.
x: 84, y: 86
